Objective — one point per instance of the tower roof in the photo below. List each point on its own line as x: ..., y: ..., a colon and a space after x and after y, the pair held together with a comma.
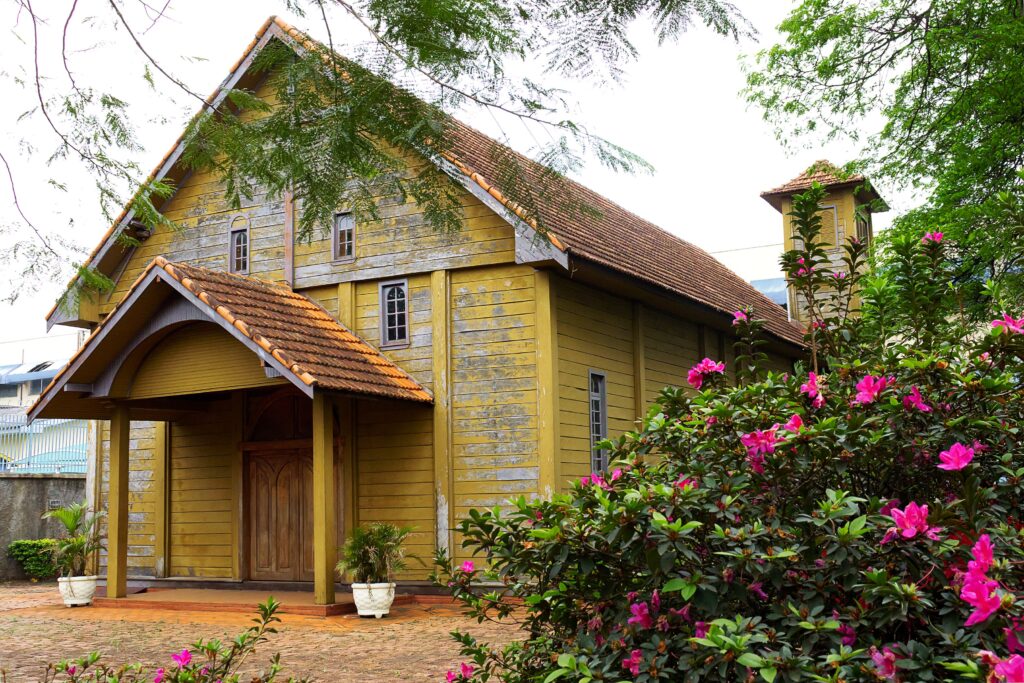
x: 827, y: 174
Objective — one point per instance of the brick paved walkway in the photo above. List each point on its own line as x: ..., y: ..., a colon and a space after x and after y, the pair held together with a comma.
x: 412, y: 644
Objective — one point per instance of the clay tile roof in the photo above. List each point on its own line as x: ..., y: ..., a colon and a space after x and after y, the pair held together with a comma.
x: 299, y: 333
x: 823, y: 172
x: 623, y: 241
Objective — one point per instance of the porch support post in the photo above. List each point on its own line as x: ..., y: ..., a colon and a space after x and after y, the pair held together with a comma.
x: 117, y: 514
x: 548, y: 439
x: 325, y: 519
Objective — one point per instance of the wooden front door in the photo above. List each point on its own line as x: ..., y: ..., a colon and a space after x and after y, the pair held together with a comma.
x: 281, y: 515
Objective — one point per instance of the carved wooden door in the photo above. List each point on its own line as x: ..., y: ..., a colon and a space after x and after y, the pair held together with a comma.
x: 281, y: 515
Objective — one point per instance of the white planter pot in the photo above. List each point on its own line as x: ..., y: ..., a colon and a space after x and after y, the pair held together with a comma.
x: 77, y: 590
x: 373, y: 599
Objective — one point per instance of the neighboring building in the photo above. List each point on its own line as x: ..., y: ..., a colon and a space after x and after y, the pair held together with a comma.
x: 55, y: 446
x: 847, y: 211
x: 775, y: 289
x: 382, y: 373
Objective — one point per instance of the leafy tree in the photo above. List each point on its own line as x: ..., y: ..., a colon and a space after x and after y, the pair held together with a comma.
x: 858, y: 524
x: 346, y: 125
x: 941, y: 84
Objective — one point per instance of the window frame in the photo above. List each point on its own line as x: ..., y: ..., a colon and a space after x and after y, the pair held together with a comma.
x: 232, y: 231
x: 336, y: 241
x: 382, y: 303
x: 597, y: 456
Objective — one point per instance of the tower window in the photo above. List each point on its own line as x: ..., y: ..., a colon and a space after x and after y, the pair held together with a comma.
x: 394, y: 313
x: 598, y: 421
x: 344, y: 237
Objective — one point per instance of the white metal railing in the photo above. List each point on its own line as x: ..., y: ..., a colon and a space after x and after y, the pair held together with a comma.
x: 43, y: 447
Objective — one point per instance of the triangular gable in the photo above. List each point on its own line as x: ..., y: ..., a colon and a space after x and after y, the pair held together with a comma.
x: 293, y: 336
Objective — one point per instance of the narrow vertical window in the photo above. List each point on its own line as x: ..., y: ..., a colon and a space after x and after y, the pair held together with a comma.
x: 598, y: 421
x: 344, y: 237
x: 239, y: 256
x: 394, y: 309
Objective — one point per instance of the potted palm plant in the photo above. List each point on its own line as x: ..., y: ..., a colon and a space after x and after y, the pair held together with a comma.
x: 371, y: 556
x: 71, y: 555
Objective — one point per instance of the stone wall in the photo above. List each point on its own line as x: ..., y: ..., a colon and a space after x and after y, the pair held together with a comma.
x: 23, y: 500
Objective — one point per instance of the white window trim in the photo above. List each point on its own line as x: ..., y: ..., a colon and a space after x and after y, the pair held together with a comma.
x: 404, y: 283
x: 232, y: 229
x: 597, y: 456
x: 335, y: 242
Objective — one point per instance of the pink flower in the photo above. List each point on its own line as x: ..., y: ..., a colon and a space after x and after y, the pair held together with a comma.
x: 71, y: 669
x: 632, y: 662
x: 1013, y: 641
x: 794, y: 424
x: 810, y: 387
x: 641, y: 615
x: 849, y: 635
x: 839, y: 275
x: 760, y: 441
x: 911, y: 521
x: 616, y: 474
x: 1009, y: 324
x: 1011, y: 670
x: 700, y: 629
x: 468, y: 567
x: 158, y: 677
x: 957, y: 457
x: 980, y: 593
x: 935, y: 237
x: 915, y: 400
x: 585, y: 481
x: 756, y: 462
x: 183, y: 658
x: 757, y: 588
x: 983, y: 555
x: 869, y: 388
x: 450, y: 677
x: 686, y: 484
x: 739, y: 317
x: 701, y: 370
x: 466, y: 670
x: 885, y: 663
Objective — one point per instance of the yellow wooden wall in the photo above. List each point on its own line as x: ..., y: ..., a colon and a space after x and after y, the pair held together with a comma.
x: 670, y: 350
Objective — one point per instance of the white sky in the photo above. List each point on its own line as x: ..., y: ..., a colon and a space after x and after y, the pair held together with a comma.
x: 679, y: 108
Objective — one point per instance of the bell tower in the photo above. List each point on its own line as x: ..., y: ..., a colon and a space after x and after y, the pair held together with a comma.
x: 846, y: 213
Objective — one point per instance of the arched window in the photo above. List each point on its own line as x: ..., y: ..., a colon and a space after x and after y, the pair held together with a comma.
x: 394, y: 308
x: 238, y: 245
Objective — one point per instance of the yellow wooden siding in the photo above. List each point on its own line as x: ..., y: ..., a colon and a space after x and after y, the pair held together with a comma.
x: 203, y: 449
x: 142, y: 499
x: 200, y: 357
x: 395, y: 473
x: 595, y: 332
x: 670, y: 350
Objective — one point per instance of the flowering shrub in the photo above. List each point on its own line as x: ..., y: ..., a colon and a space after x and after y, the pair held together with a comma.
x: 206, y: 661
x: 858, y: 520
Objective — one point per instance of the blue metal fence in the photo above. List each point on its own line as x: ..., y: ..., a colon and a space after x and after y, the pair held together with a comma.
x: 44, y: 447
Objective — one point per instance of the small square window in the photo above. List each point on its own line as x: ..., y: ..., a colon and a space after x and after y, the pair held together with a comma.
x: 394, y: 314
x: 239, y: 255
x: 344, y: 237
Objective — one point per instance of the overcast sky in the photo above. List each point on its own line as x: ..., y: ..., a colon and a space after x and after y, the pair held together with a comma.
x: 680, y: 108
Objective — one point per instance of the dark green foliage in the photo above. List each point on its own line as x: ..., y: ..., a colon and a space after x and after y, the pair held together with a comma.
x: 945, y: 79
x: 36, y: 557
x: 374, y: 553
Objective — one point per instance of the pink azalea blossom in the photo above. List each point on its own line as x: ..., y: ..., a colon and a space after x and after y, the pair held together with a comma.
x: 869, y: 388
x: 915, y: 400
x: 466, y: 670
x: 849, y: 635
x: 71, y: 669
x: 794, y: 424
x: 183, y: 658
x: 885, y: 663
x: 450, y: 677
x: 585, y: 481
x: 911, y: 521
x: 982, y: 554
x: 980, y: 593
x: 468, y: 567
x: 685, y: 483
x: 158, y: 677
x: 701, y: 370
x: 616, y: 474
x: 935, y: 237
x: 810, y: 387
x: 1011, y: 670
x: 1013, y: 641
x: 1009, y: 324
x: 632, y: 662
x: 641, y: 615
x: 739, y: 317
x: 756, y: 462
x: 957, y: 457
x: 757, y: 588
x: 839, y: 275
x: 700, y: 629
x: 760, y: 441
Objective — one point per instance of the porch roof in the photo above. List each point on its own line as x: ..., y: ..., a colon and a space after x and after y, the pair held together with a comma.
x: 291, y: 333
